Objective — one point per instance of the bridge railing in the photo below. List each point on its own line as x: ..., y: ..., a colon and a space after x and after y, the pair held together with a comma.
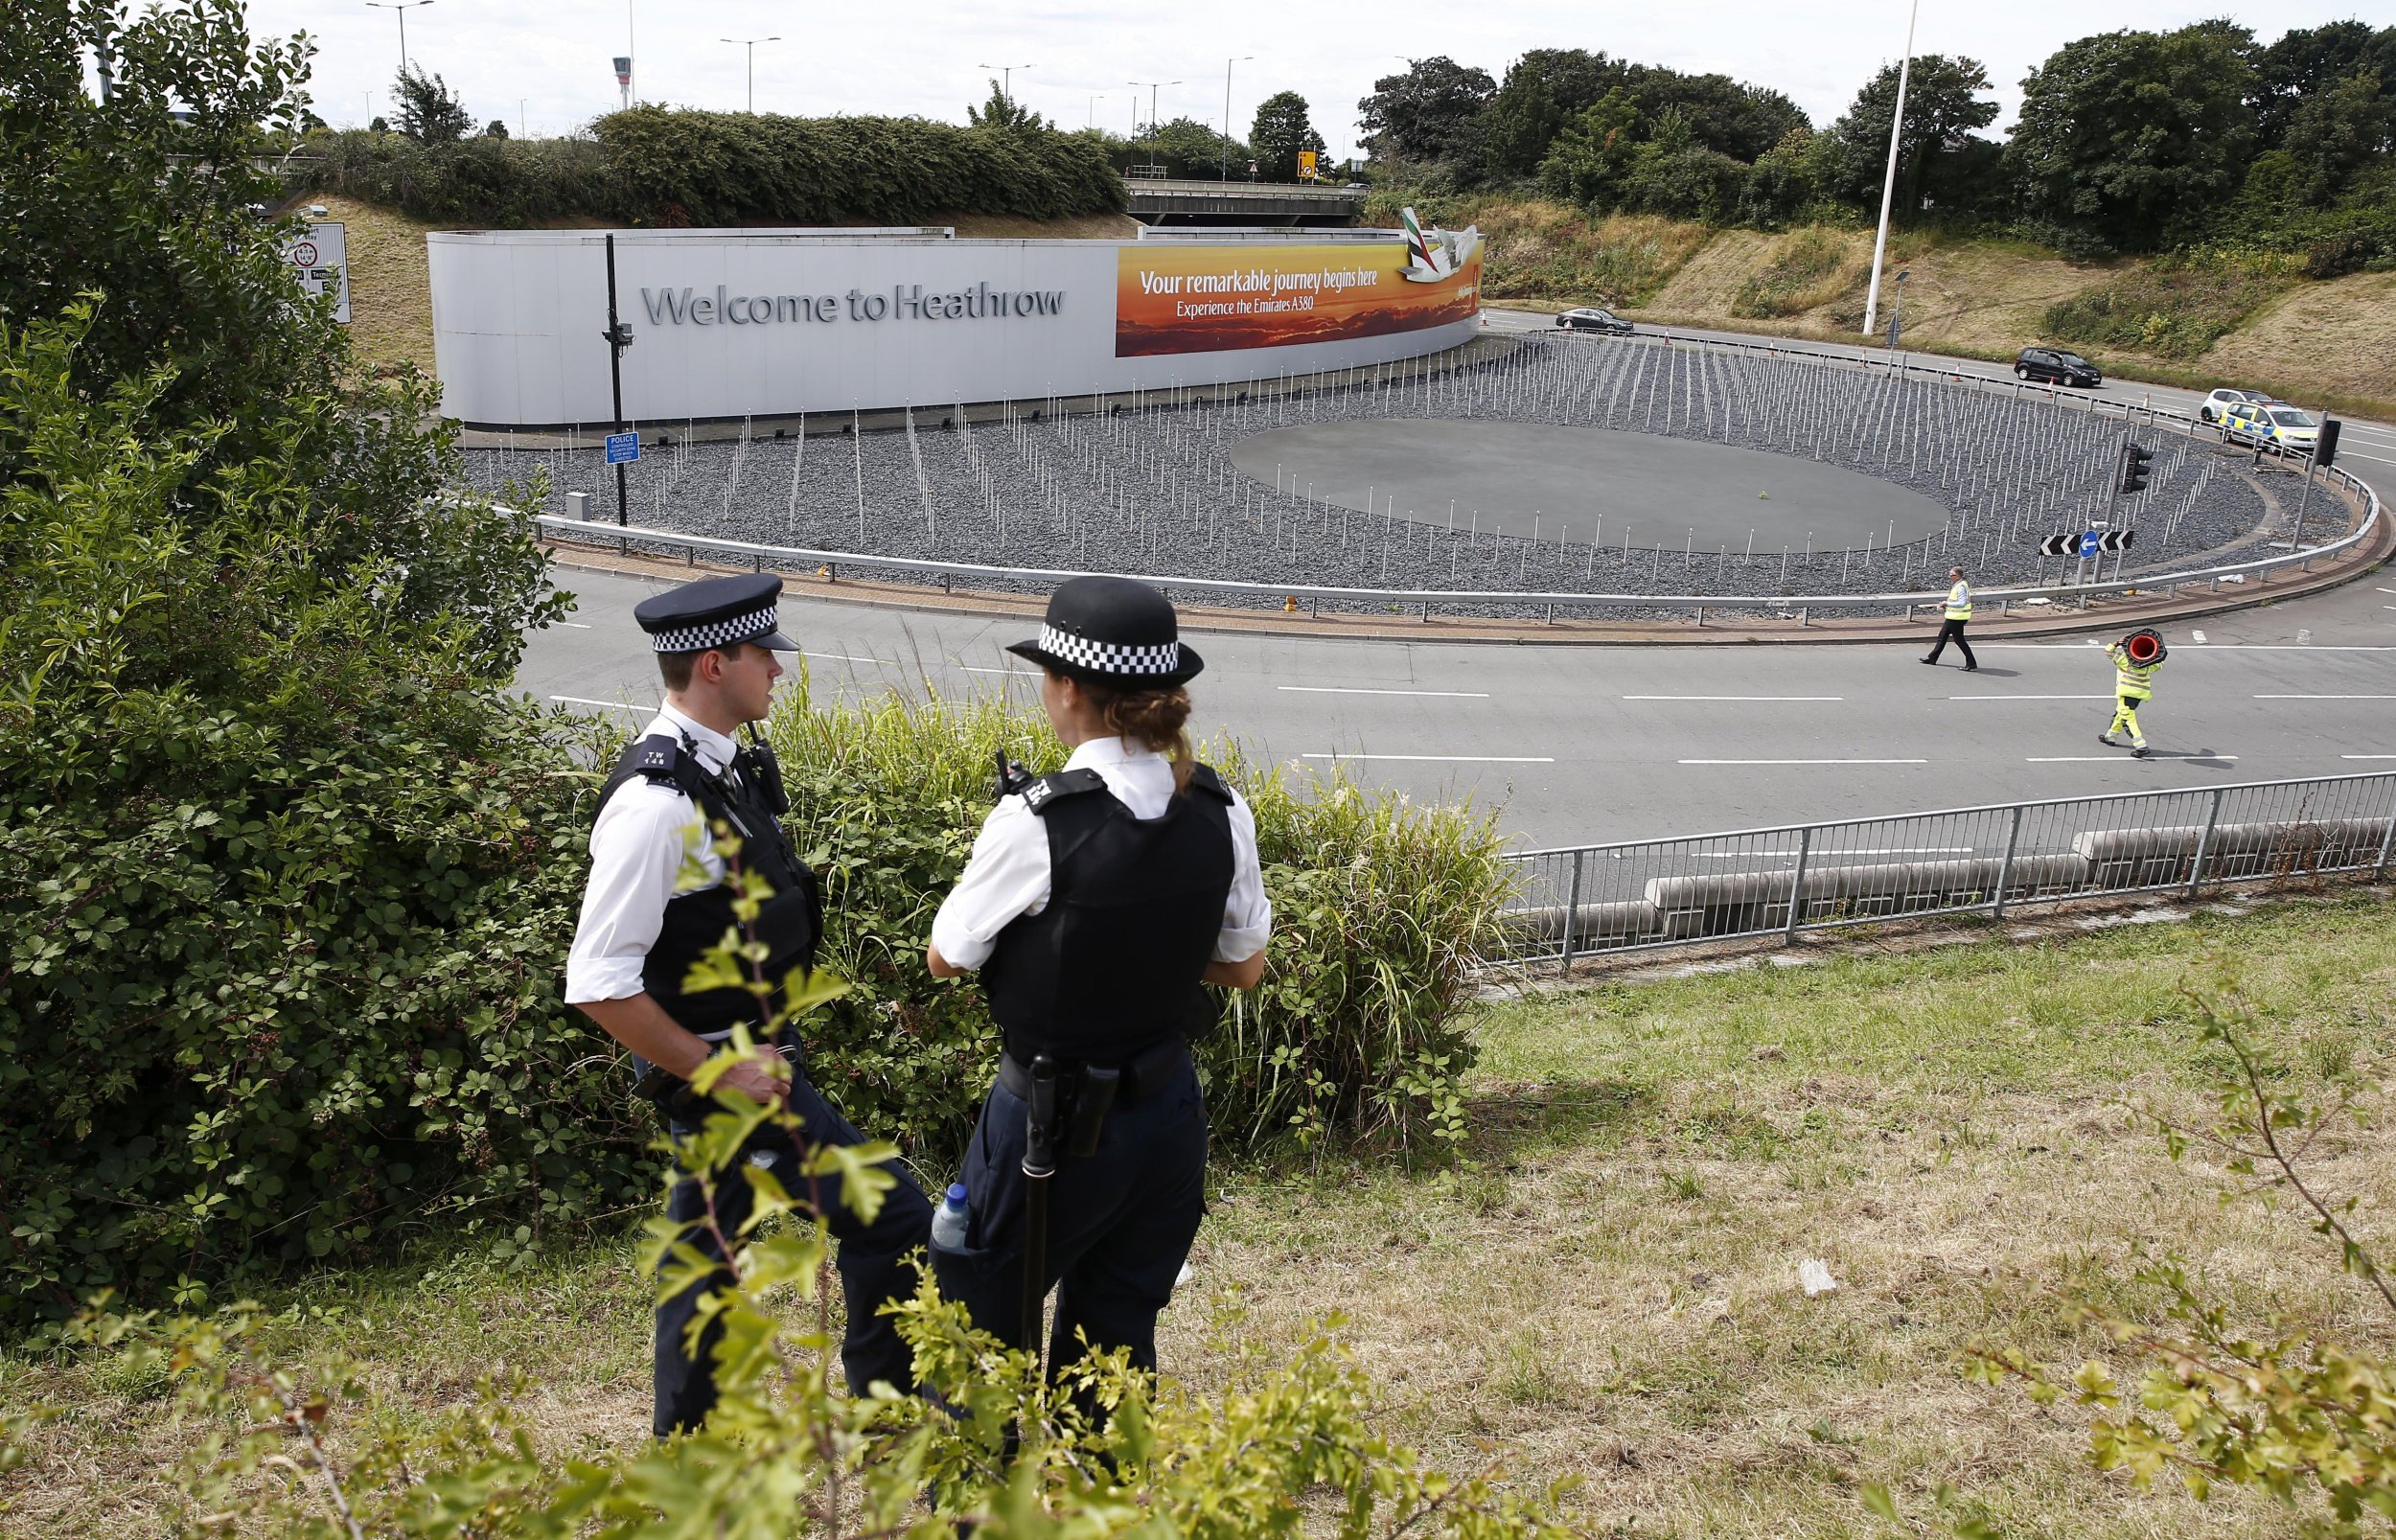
x: 1785, y: 880
x: 1799, y: 609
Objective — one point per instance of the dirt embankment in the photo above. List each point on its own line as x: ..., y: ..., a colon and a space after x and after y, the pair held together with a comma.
x: 2331, y: 343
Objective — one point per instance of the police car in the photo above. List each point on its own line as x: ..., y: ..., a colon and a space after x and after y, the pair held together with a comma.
x: 2273, y: 426
x: 1593, y: 318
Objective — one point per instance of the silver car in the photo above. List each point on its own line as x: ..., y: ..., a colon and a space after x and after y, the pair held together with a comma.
x: 2216, y: 406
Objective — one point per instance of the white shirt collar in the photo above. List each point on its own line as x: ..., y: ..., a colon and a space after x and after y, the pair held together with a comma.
x: 1101, y: 751
x: 715, y: 750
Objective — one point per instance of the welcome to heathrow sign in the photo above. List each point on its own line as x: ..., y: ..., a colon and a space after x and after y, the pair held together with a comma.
x: 740, y: 323
x: 669, y: 306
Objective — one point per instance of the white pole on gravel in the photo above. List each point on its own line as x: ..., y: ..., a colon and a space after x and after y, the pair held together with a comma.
x: 1888, y: 184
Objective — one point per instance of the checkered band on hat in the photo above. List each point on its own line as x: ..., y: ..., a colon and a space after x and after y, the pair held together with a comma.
x: 724, y: 632
x: 1106, y: 657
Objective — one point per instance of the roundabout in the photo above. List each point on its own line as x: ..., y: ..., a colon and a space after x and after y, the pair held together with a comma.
x: 1544, y: 481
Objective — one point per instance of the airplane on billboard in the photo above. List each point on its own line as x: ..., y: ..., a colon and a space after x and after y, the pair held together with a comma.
x: 1435, y: 262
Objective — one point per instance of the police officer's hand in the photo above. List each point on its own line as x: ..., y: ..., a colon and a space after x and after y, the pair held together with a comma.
x: 757, y: 1078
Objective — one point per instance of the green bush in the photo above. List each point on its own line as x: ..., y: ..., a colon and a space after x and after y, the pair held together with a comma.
x: 1794, y: 280
x: 1380, y: 908
x: 653, y: 165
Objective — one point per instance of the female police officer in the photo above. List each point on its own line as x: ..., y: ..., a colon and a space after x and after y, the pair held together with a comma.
x: 1098, y: 904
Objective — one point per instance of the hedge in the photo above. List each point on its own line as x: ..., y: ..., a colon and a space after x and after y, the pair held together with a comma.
x: 660, y: 166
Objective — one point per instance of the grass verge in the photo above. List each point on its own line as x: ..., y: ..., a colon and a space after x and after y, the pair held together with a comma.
x: 1609, y: 1287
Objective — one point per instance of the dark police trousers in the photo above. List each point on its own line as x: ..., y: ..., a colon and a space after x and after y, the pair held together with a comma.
x: 1121, y: 1222
x: 1954, y: 632
x: 872, y: 1259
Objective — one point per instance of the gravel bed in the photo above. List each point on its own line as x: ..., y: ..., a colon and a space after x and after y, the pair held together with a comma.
x: 1153, y: 489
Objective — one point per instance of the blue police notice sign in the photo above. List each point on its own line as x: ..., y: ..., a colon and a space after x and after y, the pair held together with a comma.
x: 2090, y: 542
x: 623, y: 448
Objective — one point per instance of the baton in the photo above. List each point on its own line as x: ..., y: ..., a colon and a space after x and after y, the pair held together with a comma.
x: 1039, y: 1164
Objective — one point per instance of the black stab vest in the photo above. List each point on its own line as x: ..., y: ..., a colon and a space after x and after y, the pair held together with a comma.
x: 789, y: 923
x: 1112, y: 966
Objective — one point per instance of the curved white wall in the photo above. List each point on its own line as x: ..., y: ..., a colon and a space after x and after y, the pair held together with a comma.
x: 517, y: 317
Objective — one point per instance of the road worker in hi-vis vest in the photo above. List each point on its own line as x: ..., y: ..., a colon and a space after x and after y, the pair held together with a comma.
x: 1958, y: 616
x: 1100, y: 904
x: 2136, y: 658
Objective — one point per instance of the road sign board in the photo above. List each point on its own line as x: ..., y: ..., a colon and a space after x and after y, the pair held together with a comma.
x: 623, y: 448
x: 321, y: 259
x: 2090, y: 542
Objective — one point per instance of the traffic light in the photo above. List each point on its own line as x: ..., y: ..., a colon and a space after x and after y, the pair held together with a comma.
x: 2325, y: 449
x: 2133, y: 478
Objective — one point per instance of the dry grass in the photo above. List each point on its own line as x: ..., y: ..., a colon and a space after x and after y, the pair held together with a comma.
x: 390, y: 286
x: 2335, y: 338
x: 1610, y: 1289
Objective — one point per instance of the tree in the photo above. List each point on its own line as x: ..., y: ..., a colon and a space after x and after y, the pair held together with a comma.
x: 1944, y: 107
x: 1588, y: 160
x: 1742, y: 122
x: 1784, y: 184
x: 245, y: 601
x: 429, y: 111
x: 1545, y: 91
x: 2335, y: 131
x: 498, y: 130
x: 1190, y: 148
x: 1429, y: 113
x: 2128, y: 134
x: 1281, y: 131
x: 1004, y: 111
x: 2308, y: 59
x: 1674, y: 175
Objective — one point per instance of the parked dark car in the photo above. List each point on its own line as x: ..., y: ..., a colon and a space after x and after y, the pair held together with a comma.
x: 2058, y: 366
x: 1593, y: 318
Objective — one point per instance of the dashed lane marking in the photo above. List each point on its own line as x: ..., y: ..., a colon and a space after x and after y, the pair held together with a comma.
x: 611, y: 706
x: 1343, y: 689
x: 1805, y: 762
x: 1748, y: 698
x: 1445, y: 759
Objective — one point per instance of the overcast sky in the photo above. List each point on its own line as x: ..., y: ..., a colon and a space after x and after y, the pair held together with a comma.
x: 546, y: 63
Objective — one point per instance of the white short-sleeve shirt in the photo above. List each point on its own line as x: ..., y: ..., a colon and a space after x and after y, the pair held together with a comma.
x: 1007, y: 876
x: 636, y: 850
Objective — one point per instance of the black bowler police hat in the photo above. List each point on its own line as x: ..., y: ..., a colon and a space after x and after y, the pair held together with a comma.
x: 1114, y: 632
x: 716, y: 612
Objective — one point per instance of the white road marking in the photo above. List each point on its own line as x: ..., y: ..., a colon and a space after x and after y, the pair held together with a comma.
x: 2382, y: 459
x: 1458, y: 759
x: 2367, y: 756
x: 970, y: 669
x: 611, y: 706
x: 580, y: 626
x: 1734, y: 698
x: 851, y: 658
x: 1342, y: 689
x: 2198, y: 636
x: 1805, y: 762
x: 2326, y: 696
x: 2030, y: 697
x: 2106, y: 759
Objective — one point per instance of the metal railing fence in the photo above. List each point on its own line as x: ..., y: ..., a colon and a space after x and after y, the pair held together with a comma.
x: 1629, y: 895
x: 1797, y: 608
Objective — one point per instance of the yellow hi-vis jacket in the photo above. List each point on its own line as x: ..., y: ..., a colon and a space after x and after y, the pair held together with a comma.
x: 2132, y: 680
x: 1959, y: 601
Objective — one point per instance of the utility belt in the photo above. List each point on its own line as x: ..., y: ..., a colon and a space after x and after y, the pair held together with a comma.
x: 1086, y: 1093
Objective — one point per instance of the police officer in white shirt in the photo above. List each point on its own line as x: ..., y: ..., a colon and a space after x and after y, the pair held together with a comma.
x: 1098, y: 904
x: 643, y: 930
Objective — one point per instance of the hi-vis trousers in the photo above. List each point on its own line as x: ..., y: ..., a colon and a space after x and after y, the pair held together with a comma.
x: 2126, y: 715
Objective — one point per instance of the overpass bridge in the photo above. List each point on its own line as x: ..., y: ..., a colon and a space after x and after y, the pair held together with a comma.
x: 1163, y: 201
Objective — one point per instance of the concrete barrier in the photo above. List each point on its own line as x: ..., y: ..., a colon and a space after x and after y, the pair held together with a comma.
x: 2148, y: 858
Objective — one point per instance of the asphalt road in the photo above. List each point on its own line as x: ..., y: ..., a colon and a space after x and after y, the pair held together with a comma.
x: 1579, y: 743
x: 1583, y: 744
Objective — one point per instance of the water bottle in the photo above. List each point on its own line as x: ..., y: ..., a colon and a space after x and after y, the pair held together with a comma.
x: 948, y: 1225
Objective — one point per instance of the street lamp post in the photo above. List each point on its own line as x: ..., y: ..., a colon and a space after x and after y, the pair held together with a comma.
x: 750, y: 44
x: 1006, y: 79
x: 1223, y: 172
x: 1888, y: 186
x: 1094, y: 109
x: 1152, y: 86
x: 402, y: 7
